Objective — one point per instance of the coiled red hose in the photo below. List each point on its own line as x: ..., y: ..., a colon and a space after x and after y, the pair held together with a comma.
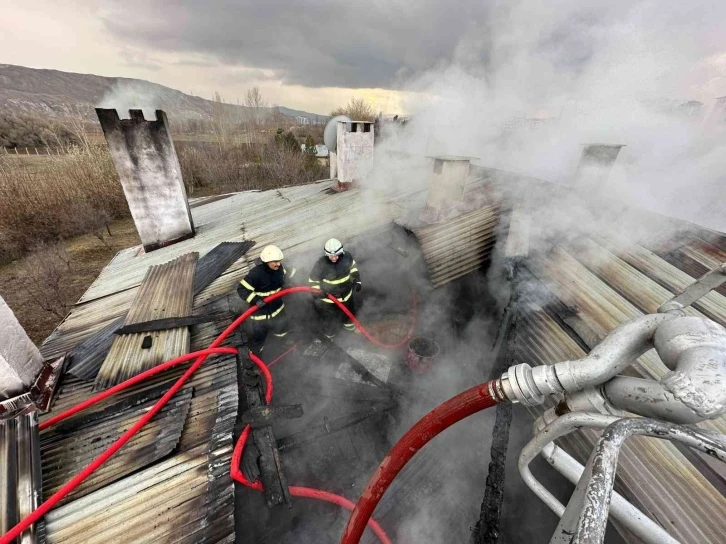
x: 39, y: 512
x: 442, y: 417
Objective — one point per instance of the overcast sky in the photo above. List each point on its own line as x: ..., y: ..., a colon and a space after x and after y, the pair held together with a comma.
x: 311, y: 55
x: 317, y: 54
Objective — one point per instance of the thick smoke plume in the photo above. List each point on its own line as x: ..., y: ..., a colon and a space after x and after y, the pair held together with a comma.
x: 540, y: 79
x: 524, y: 93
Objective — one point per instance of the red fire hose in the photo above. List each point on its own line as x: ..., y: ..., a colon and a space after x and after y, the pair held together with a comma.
x: 442, y: 417
x: 39, y: 512
x: 295, y: 491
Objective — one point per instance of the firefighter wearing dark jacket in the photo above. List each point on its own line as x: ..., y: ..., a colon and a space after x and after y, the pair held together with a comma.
x: 335, y: 273
x: 263, y: 280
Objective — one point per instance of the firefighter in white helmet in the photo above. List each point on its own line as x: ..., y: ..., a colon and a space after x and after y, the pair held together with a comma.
x: 268, y: 277
x: 335, y: 273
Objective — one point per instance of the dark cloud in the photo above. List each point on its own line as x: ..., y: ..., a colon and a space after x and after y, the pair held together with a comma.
x: 316, y: 43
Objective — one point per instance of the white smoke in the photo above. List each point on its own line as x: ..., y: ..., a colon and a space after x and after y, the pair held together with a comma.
x: 541, y: 79
x: 133, y: 95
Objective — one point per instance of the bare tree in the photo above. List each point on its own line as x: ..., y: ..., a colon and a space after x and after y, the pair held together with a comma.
x: 358, y: 109
x: 221, y: 121
x: 46, y: 273
x: 256, y: 104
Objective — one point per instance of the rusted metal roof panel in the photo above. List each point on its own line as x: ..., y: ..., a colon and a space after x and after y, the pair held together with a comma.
x: 456, y: 247
x: 19, y: 472
x: 165, y: 292
x: 185, y: 497
x: 666, y: 274
x: 70, y: 446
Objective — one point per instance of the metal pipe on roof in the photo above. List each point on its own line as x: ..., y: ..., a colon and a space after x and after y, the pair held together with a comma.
x: 614, y: 354
x: 585, y: 518
x: 694, y: 348
x: 648, y: 398
x: 623, y: 511
x: 704, y: 285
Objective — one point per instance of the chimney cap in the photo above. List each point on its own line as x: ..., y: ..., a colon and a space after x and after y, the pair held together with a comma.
x: 603, y: 145
x: 452, y: 157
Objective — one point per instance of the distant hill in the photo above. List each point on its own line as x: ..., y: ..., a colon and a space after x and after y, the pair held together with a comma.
x: 52, y: 93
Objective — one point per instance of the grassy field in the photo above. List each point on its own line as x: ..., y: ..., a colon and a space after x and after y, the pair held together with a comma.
x: 41, y: 288
x: 63, y: 217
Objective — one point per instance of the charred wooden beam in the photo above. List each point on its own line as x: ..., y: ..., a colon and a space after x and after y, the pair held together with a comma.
x: 252, y: 397
x: 264, y: 416
x: 486, y: 530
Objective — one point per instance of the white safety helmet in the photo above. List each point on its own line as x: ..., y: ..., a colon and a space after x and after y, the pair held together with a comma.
x: 333, y: 247
x: 271, y: 254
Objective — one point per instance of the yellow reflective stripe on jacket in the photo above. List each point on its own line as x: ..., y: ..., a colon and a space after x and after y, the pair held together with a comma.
x: 265, y: 316
x: 292, y: 272
x: 345, y: 299
x: 354, y: 267
x: 311, y: 280
x: 268, y: 293
x: 337, y: 282
x: 249, y: 287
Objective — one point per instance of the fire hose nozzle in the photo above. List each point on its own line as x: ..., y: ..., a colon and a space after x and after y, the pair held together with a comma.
x: 530, y: 386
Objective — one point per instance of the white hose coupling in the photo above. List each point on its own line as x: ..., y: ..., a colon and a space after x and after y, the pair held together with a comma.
x: 530, y: 386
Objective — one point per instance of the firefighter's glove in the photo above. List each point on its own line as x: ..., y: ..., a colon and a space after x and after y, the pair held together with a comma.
x: 358, y: 287
x: 250, y: 467
x: 260, y: 302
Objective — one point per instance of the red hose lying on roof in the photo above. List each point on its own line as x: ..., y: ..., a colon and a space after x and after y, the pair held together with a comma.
x: 295, y: 491
x: 39, y: 512
x: 442, y: 417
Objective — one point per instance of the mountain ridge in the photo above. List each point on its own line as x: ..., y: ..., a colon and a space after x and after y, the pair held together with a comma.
x: 54, y: 93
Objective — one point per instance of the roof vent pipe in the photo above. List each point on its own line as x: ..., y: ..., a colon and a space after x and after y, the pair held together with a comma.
x: 446, y: 186
x: 596, y: 163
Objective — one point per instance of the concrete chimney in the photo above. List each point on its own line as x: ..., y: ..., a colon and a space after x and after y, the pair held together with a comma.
x: 446, y: 186
x: 595, y: 165
x: 718, y: 112
x: 20, y: 360
x: 354, y: 151
x: 146, y: 161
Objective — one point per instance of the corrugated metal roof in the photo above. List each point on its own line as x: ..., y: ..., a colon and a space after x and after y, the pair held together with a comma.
x: 586, y: 283
x: 19, y: 472
x: 297, y: 219
x: 69, y: 447
x: 457, y: 247
x: 165, y: 292
x: 186, y: 497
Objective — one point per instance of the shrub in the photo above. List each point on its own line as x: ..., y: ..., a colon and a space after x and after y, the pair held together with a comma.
x: 67, y: 195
